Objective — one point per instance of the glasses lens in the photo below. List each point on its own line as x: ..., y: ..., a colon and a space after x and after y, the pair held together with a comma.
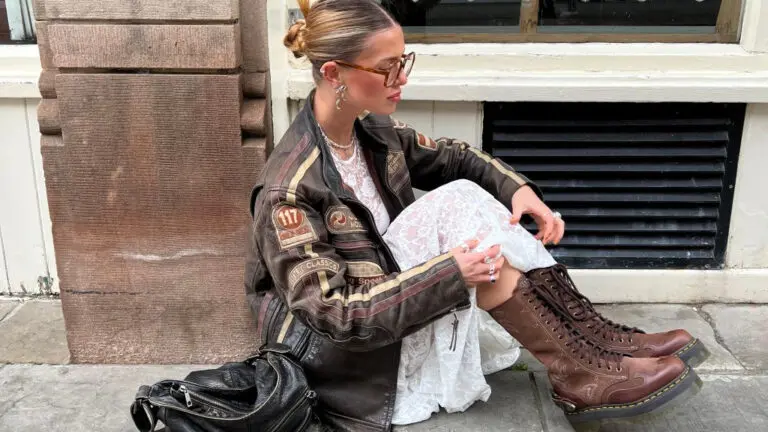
x: 406, y: 64
x: 394, y: 71
x: 409, y: 60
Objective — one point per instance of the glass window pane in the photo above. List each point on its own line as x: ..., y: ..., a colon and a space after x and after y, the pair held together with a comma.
x: 628, y: 16
x: 456, y: 16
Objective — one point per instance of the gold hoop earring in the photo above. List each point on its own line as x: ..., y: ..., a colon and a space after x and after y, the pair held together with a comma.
x: 341, y: 96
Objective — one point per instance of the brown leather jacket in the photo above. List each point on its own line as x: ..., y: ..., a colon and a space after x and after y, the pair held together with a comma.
x: 320, y: 278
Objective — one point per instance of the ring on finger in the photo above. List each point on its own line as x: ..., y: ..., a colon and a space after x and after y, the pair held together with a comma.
x: 493, y: 279
x: 557, y: 215
x: 492, y: 269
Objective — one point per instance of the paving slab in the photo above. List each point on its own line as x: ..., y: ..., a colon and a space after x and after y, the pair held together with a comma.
x: 6, y: 306
x: 733, y: 403
x: 511, y: 407
x: 70, y: 398
x: 743, y: 332
x: 35, y: 334
x: 661, y: 317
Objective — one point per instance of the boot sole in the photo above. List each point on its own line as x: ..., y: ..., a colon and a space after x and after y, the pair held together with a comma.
x: 687, y: 385
x: 693, y: 354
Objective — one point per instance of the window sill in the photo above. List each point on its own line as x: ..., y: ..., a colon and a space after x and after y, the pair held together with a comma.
x: 19, y: 71
x: 578, y: 72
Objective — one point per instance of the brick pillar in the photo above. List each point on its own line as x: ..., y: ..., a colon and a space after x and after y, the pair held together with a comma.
x: 154, y: 131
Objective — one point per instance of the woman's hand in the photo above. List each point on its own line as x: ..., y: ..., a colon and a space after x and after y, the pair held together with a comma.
x: 476, y: 266
x: 525, y: 201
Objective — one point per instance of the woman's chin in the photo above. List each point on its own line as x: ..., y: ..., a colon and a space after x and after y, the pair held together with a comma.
x: 387, y: 108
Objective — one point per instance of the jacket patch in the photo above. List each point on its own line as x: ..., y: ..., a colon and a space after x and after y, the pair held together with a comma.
x: 397, y: 172
x: 364, y: 272
x: 292, y: 227
x: 398, y: 124
x: 339, y: 219
x: 426, y: 142
x: 308, y: 267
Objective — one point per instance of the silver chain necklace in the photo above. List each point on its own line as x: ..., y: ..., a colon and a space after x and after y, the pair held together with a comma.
x: 331, y: 143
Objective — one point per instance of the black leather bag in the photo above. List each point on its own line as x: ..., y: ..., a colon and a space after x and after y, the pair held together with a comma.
x: 267, y: 392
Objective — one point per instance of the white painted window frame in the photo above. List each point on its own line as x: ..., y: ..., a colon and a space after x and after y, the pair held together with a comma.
x: 641, y: 72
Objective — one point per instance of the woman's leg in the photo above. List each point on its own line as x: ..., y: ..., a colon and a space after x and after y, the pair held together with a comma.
x: 589, y: 382
x: 493, y: 295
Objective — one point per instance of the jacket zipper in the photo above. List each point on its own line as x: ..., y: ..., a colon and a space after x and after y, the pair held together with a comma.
x: 309, y: 398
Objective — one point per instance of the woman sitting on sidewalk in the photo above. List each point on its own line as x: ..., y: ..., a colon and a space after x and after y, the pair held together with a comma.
x: 397, y: 307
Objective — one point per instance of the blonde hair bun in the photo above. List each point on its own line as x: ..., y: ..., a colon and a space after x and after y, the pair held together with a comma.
x: 294, y: 39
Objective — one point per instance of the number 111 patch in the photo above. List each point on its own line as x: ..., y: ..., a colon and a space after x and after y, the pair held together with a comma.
x: 292, y: 227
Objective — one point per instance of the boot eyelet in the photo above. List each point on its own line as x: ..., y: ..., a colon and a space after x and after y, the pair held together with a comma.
x: 621, y: 340
x: 609, y: 368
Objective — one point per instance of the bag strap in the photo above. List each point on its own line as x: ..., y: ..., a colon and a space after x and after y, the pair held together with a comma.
x: 143, y: 413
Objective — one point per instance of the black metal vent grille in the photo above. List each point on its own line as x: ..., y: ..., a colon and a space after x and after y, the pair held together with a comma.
x: 640, y: 185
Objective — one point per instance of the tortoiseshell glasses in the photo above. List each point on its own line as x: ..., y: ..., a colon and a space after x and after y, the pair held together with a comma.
x: 404, y: 64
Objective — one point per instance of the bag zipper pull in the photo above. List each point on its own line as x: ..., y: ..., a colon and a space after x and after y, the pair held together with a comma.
x: 187, y: 397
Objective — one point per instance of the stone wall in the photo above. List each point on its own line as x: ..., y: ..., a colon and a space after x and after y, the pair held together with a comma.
x: 154, y: 123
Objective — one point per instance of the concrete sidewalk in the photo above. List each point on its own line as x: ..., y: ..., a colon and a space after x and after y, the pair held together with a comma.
x: 40, y: 392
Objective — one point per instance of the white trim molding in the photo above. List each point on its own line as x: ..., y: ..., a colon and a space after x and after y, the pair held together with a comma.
x: 754, y: 33
x: 577, y: 72
x: 673, y: 286
x: 19, y: 71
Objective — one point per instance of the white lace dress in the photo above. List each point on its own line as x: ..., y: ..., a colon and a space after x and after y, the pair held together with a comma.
x: 431, y: 374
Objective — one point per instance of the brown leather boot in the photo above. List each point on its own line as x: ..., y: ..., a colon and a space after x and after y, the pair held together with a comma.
x: 613, y: 336
x: 589, y: 382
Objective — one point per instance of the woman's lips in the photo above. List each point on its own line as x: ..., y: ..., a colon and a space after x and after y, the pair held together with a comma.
x: 395, y: 97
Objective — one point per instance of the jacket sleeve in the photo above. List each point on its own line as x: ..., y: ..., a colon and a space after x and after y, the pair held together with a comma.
x: 433, y: 163
x: 310, y: 276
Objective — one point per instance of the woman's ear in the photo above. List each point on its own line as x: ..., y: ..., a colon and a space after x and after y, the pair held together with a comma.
x: 332, y: 73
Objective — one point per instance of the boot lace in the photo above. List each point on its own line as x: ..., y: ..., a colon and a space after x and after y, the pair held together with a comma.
x: 569, y: 301
x: 578, y: 343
